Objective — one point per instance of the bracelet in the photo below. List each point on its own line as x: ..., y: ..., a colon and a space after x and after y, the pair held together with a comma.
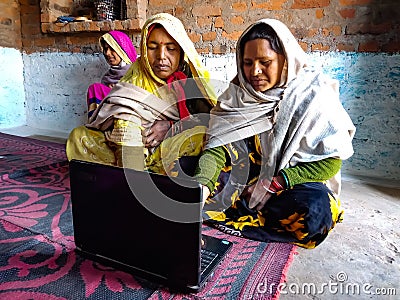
x: 266, y: 188
x: 276, y: 185
x: 285, y: 178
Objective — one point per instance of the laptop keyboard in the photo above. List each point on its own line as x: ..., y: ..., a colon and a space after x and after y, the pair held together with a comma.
x: 207, y: 257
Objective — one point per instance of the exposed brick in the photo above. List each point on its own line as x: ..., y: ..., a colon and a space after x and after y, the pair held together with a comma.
x: 346, y: 47
x: 32, y: 30
x: 391, y: 46
x: 344, y: 25
x: 239, y: 6
x: 237, y: 20
x: 209, y: 36
x: 179, y: 11
x: 268, y: 5
x: 312, y: 32
x: 204, y: 22
x: 45, y: 42
x: 304, y: 46
x: 232, y: 36
x: 347, y: 13
x: 370, y: 46
x: 30, y: 19
x: 206, y: 10
x: 302, y: 4
x: 219, y: 22
x: 319, y: 47
x: 194, y: 37
x: 220, y: 49
x: 368, y: 28
x: 334, y: 30
x: 319, y: 13
x: 354, y: 2
x: 203, y: 50
x: 157, y: 3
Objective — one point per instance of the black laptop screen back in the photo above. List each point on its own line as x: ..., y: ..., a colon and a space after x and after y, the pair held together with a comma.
x: 112, y: 220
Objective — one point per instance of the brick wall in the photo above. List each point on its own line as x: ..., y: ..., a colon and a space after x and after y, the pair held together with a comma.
x: 10, y: 24
x: 214, y: 26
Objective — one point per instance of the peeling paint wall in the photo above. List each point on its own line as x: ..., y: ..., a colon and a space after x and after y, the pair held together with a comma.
x: 12, y: 96
x: 370, y: 91
x: 56, y: 84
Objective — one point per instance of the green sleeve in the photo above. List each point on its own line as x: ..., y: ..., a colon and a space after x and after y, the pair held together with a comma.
x: 320, y: 170
x: 209, y: 167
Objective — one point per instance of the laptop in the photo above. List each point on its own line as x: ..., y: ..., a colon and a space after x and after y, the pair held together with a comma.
x: 143, y: 223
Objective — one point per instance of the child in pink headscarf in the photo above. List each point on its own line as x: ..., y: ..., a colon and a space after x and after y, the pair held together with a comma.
x: 119, y: 53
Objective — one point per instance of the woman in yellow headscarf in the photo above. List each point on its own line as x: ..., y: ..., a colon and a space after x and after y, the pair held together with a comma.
x: 157, y: 112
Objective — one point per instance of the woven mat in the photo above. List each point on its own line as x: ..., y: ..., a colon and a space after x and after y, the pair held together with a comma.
x: 38, y: 261
x: 20, y: 154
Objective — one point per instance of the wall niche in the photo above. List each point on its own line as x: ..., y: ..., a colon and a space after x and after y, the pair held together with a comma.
x: 92, y: 15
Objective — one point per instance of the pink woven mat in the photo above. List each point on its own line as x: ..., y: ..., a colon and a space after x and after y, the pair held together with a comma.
x: 38, y: 260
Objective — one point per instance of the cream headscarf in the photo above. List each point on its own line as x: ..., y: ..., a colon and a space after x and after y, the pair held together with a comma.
x: 141, y: 74
x: 302, y: 120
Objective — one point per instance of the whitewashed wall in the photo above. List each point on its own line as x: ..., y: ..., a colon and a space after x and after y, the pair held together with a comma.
x: 12, y: 95
x: 55, y: 91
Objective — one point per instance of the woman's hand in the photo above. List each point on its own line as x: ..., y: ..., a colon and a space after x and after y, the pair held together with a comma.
x: 154, y: 133
x: 259, y: 193
x: 256, y: 195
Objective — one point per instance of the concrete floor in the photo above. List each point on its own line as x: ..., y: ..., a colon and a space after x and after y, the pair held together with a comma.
x: 360, y: 259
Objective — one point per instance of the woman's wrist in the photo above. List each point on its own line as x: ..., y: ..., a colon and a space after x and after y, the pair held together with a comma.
x: 273, y: 186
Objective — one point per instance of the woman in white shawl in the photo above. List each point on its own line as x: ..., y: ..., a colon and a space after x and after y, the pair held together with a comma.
x: 284, y: 132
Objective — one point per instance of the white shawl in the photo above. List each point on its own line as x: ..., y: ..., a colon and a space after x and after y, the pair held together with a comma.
x: 302, y: 120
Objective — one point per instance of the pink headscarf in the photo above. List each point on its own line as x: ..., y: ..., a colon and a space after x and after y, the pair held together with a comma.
x: 125, y: 43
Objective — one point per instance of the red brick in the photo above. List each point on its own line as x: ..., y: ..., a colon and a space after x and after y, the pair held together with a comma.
x: 345, y: 47
x: 204, y: 22
x: 270, y: 5
x: 158, y: 3
x: 232, y: 36
x: 370, y: 46
x: 304, y: 46
x: 239, y: 6
x: 237, y: 20
x: 382, y: 28
x: 32, y: 30
x: 179, y: 11
x: 347, y: 13
x: 334, y: 30
x: 220, y: 49
x: 319, y: 47
x: 311, y: 32
x: 354, y: 2
x: 194, y: 37
x: 206, y: 10
x: 45, y: 42
x: 219, y: 22
x: 391, y: 46
x: 302, y: 4
x: 209, y: 36
x: 203, y: 50
x: 319, y: 13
